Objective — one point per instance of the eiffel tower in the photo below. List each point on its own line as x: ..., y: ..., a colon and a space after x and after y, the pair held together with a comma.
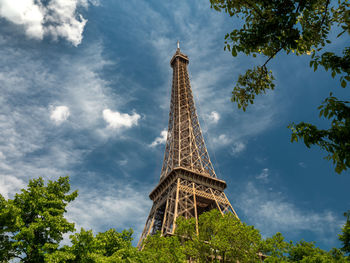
x: 188, y: 185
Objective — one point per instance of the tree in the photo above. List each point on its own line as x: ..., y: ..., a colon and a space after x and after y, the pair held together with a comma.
x: 277, y: 250
x: 162, y: 249
x: 109, y: 246
x: 345, y: 236
x: 300, y: 27
x: 224, y: 238
x: 221, y: 238
x: 32, y: 224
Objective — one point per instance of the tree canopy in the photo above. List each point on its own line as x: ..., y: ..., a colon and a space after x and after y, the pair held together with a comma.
x: 301, y: 27
x: 109, y: 246
x: 224, y: 238
x: 32, y: 225
x: 345, y: 236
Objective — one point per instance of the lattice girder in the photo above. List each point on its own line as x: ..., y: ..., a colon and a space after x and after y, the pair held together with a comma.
x: 182, y: 196
x: 185, y: 145
x: 188, y: 185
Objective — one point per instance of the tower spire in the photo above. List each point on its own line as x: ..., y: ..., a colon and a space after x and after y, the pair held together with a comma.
x: 188, y: 185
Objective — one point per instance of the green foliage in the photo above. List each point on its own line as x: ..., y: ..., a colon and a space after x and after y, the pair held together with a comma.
x: 32, y: 224
x: 275, y: 248
x: 301, y: 251
x: 220, y: 237
x: 345, y: 236
x: 227, y: 239
x: 334, y: 140
x: 252, y: 83
x: 109, y: 246
x: 163, y: 249
x: 299, y: 27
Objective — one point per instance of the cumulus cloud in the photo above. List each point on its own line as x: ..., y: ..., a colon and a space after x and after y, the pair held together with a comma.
x: 59, y: 114
x: 223, y: 140
x: 118, y: 120
x: 57, y: 18
x: 214, y: 117
x: 161, y: 139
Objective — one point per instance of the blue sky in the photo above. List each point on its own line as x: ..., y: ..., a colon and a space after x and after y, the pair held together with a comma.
x: 85, y: 91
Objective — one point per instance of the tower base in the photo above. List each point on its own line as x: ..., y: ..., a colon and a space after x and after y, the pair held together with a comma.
x: 183, y: 193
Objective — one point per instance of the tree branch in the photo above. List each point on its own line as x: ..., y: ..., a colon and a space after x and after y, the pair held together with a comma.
x: 325, y: 13
x: 274, y: 54
x: 255, y: 9
x: 15, y: 256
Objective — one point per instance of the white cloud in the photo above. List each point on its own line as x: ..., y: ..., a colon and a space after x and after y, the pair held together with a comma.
x: 223, y: 139
x: 214, y: 117
x: 264, y: 174
x: 57, y: 18
x: 118, y: 120
x: 118, y: 205
x: 30, y: 145
x: 271, y: 213
x: 59, y: 114
x: 161, y: 139
x: 9, y: 185
x: 237, y: 148
x: 122, y: 162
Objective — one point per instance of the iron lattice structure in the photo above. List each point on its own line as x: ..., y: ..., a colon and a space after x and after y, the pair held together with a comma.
x: 188, y: 184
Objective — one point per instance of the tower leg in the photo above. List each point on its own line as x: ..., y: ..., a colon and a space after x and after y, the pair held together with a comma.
x: 148, y: 227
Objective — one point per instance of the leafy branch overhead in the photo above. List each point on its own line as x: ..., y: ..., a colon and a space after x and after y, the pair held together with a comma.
x: 334, y: 140
x: 292, y: 26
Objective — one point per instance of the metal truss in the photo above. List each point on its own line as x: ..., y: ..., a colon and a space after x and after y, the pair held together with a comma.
x: 185, y: 145
x: 188, y: 185
x: 183, y: 197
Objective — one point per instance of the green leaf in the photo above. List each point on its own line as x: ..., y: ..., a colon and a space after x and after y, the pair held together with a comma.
x: 341, y: 33
x: 343, y: 83
x: 234, y: 52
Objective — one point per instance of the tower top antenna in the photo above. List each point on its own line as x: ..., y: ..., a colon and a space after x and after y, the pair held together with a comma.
x: 178, y: 44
